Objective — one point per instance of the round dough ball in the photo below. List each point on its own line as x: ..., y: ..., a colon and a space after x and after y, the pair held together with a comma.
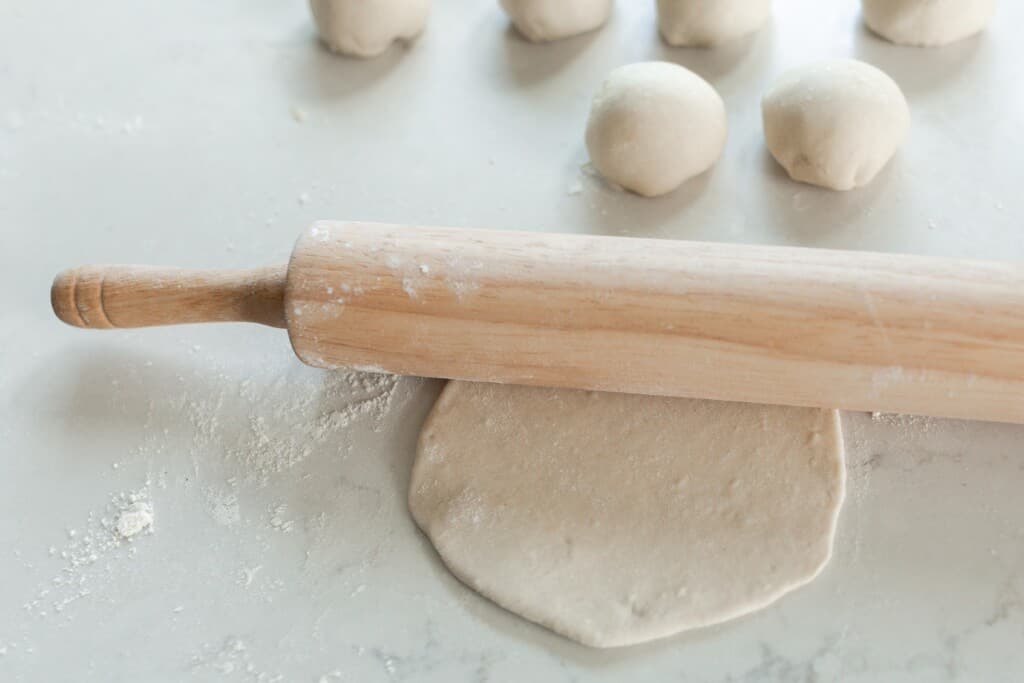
x: 544, y: 20
x: 654, y: 125
x: 365, y: 28
x: 705, y: 23
x: 615, y: 519
x: 927, y: 23
x: 835, y: 123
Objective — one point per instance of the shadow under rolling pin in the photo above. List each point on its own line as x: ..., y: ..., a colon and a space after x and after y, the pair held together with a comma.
x: 791, y: 326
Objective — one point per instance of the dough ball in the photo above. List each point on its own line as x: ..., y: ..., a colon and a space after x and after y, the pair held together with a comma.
x: 705, y: 23
x: 365, y: 28
x: 544, y: 20
x: 615, y: 519
x: 835, y: 123
x: 926, y: 23
x: 654, y: 125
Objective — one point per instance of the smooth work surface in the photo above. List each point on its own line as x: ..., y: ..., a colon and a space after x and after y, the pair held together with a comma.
x: 208, y: 134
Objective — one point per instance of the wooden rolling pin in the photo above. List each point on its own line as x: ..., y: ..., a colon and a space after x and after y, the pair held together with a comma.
x: 803, y: 327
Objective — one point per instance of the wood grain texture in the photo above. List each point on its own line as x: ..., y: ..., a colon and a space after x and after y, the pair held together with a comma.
x: 103, y: 297
x: 788, y: 326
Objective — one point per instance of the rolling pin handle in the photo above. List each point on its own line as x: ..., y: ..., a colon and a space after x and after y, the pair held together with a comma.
x: 106, y: 297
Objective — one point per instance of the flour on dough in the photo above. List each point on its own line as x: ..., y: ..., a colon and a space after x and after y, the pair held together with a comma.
x: 835, y: 123
x: 616, y: 519
x: 655, y: 125
x: 365, y: 28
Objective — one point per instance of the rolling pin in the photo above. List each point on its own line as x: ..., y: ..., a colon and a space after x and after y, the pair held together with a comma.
x: 790, y: 326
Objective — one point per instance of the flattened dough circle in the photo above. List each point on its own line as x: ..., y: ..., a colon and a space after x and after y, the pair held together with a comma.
x: 615, y: 519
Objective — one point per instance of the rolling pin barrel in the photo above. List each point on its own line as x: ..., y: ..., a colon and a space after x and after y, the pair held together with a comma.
x: 803, y: 327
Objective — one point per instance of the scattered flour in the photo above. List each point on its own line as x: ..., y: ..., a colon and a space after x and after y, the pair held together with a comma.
x: 223, y: 506
x: 287, y: 424
x: 244, y: 435
x: 133, y: 126
x: 248, y: 574
x: 461, y: 276
x: 135, y: 519
x: 104, y: 535
x: 883, y: 378
x: 279, y: 520
x: 906, y: 423
x: 233, y: 659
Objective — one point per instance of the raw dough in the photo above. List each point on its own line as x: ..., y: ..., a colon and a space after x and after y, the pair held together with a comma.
x: 705, y: 23
x: 927, y: 23
x: 365, y: 28
x: 835, y: 123
x: 654, y: 125
x: 616, y: 519
x: 544, y: 20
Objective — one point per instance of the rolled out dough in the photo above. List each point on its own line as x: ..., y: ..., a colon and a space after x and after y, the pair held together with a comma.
x: 616, y: 519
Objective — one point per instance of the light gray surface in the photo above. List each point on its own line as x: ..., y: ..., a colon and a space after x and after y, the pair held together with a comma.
x: 167, y: 133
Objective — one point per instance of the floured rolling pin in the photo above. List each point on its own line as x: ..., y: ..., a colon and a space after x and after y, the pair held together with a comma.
x: 803, y: 327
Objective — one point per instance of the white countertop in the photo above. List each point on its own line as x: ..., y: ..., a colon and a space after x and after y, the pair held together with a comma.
x: 209, y: 133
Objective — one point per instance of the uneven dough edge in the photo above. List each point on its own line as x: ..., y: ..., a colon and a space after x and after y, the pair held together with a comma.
x: 485, y: 591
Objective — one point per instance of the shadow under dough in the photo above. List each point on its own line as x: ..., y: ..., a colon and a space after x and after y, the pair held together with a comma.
x: 716, y: 62
x: 317, y: 74
x: 528, y: 63
x: 809, y: 215
x: 611, y: 210
x: 915, y: 69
